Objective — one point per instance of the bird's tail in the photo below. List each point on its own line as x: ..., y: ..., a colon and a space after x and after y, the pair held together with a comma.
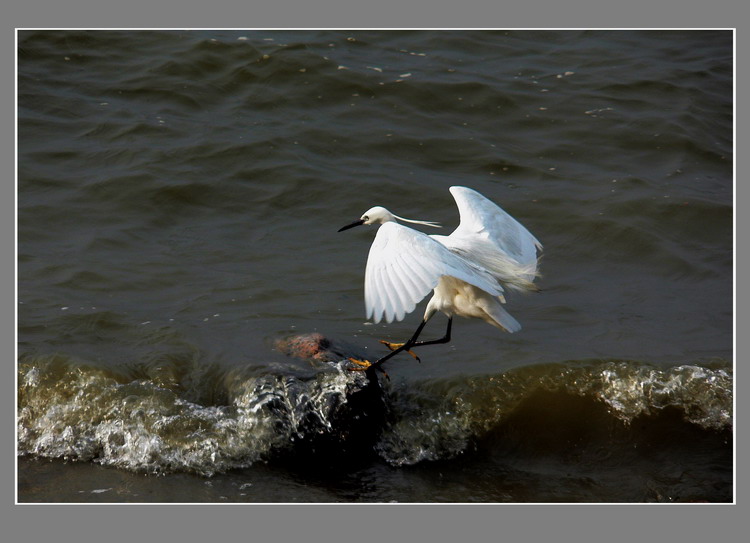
x: 519, y: 277
x: 498, y: 316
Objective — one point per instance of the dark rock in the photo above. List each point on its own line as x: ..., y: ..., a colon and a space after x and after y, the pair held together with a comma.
x: 330, y: 419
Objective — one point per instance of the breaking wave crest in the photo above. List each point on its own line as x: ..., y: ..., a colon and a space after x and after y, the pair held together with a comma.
x: 75, y: 411
x: 439, y: 420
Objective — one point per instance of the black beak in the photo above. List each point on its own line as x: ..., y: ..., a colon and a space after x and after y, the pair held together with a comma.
x: 355, y: 223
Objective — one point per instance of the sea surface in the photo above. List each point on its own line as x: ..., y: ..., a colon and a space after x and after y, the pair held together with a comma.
x: 179, y: 196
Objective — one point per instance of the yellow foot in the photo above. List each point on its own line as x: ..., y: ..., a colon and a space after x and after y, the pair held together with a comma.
x: 394, y: 346
x: 363, y: 364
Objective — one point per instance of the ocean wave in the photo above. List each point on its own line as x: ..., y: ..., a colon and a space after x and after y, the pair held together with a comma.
x: 75, y: 411
x: 458, y: 415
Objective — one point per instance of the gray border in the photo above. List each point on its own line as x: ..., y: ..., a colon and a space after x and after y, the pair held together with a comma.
x: 384, y: 14
x: 684, y: 523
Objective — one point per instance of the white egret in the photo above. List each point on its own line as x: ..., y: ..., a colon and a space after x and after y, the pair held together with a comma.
x: 467, y: 270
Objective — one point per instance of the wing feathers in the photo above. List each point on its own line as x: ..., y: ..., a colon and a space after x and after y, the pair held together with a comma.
x: 404, y: 288
x: 399, y: 289
x: 493, y: 239
x: 390, y: 298
x: 405, y: 265
x: 488, y: 248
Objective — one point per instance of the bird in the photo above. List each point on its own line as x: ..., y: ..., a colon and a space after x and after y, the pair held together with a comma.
x: 468, y: 270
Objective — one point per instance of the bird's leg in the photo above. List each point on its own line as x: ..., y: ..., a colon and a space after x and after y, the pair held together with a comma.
x: 402, y: 347
x: 366, y: 365
x: 394, y: 346
x: 398, y: 347
x: 445, y: 339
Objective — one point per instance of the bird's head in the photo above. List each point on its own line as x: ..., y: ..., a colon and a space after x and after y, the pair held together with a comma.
x: 381, y: 215
x: 373, y: 215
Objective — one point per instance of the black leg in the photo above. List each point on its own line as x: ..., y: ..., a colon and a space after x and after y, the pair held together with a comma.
x: 405, y: 347
x: 414, y: 343
x: 445, y: 339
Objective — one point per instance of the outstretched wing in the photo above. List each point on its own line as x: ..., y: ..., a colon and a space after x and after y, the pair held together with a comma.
x: 404, y: 265
x: 491, y: 238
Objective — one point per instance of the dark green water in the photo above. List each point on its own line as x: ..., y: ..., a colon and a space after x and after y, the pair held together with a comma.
x: 178, y: 200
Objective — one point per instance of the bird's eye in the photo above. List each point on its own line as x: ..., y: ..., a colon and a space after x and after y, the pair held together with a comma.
x: 365, y: 218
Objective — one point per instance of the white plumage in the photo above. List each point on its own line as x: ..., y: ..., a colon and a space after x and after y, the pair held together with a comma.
x: 467, y: 270
x: 404, y: 265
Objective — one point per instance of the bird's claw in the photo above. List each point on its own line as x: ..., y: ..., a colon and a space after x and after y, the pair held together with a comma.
x: 394, y: 346
x: 363, y: 364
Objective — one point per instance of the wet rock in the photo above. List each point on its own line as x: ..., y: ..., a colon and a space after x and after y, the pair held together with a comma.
x: 332, y: 420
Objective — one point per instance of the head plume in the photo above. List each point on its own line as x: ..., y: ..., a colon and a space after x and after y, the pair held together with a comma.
x: 426, y: 223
